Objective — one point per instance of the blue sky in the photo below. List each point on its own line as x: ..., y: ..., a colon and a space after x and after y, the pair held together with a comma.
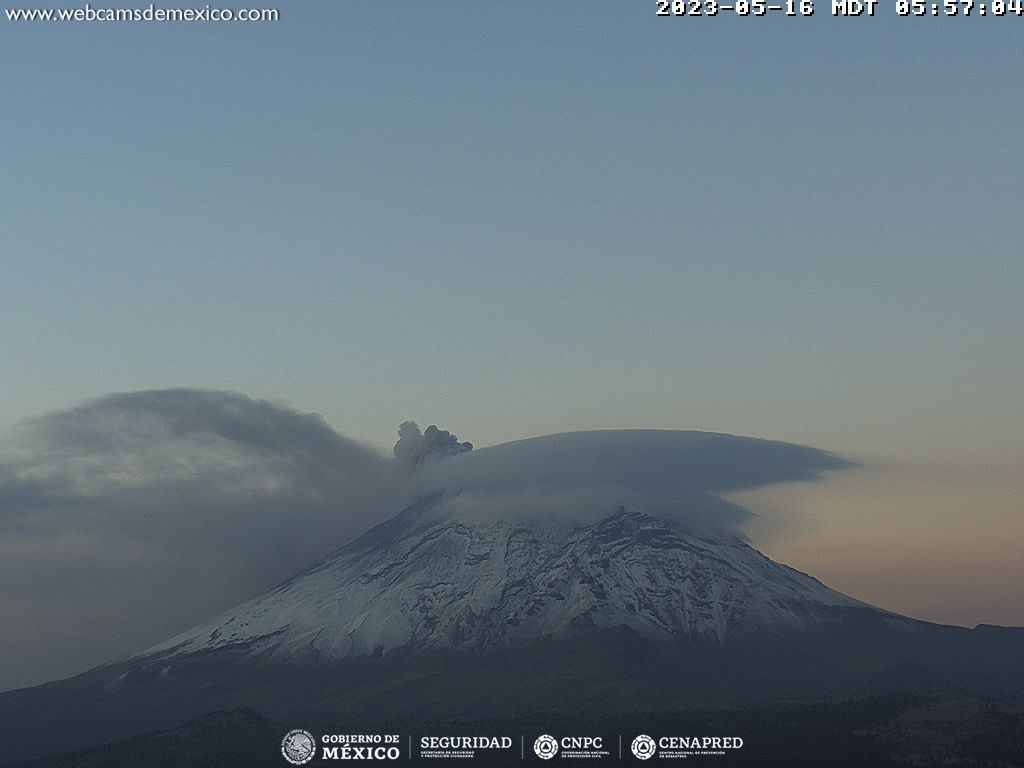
x: 527, y: 217
x: 523, y: 218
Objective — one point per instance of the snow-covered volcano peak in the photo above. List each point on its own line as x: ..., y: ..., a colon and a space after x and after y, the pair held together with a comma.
x: 425, y: 581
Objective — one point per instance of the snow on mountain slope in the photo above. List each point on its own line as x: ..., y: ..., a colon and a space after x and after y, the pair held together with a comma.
x: 418, y: 582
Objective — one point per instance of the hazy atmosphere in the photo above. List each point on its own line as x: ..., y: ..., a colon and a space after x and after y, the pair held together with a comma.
x: 236, y: 259
x: 133, y: 516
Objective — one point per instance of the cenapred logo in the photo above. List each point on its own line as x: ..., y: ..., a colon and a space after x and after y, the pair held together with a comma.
x: 298, y: 746
x: 643, y: 747
x: 546, y: 747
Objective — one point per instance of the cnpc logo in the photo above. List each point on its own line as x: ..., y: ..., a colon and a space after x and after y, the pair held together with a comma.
x: 547, y: 746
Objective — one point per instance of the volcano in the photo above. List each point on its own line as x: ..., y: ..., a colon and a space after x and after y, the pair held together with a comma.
x: 469, y: 617
x: 419, y: 584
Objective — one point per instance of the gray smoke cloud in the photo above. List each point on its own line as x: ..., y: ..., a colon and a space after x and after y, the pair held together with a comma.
x: 415, y: 448
x: 132, y: 517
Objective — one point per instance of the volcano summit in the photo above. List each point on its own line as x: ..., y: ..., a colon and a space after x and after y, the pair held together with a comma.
x: 469, y: 604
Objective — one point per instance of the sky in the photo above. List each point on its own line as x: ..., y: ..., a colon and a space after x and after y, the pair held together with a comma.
x: 525, y: 218
x: 132, y: 517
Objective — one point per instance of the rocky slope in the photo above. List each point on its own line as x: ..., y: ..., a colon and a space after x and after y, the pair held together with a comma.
x: 422, y: 583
